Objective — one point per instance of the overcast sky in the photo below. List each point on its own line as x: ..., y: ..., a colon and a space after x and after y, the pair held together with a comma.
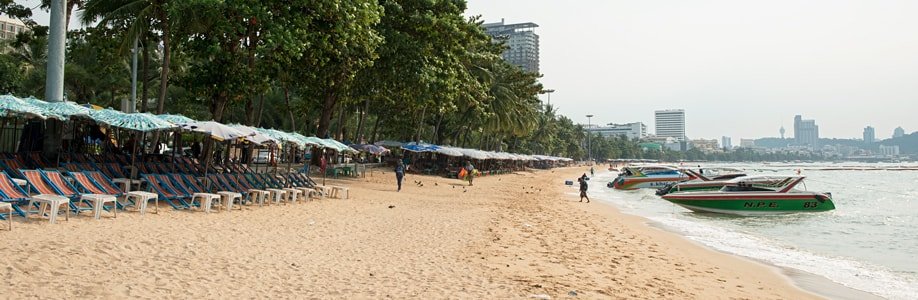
x: 739, y: 68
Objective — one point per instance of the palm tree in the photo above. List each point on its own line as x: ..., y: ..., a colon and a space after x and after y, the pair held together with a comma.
x: 143, y: 16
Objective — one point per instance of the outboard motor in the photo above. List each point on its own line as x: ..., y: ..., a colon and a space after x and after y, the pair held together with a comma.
x: 665, y: 190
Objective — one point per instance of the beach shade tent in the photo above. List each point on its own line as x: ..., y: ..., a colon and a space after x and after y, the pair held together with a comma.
x: 12, y: 106
x: 448, y: 151
x: 254, y: 136
x: 387, y: 143
x: 338, y: 146
x: 63, y: 109
x: 370, y: 148
x: 420, y: 147
x: 142, y: 122
x: 176, y: 119
x: 216, y: 131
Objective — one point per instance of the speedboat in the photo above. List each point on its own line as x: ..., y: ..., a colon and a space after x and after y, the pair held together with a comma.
x: 639, y: 177
x: 715, y: 180
x: 755, y: 195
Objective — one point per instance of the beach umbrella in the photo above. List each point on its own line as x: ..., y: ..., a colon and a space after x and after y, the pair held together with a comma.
x: 143, y: 122
x: 215, y: 130
x: 64, y: 108
x: 13, y: 106
x: 176, y: 119
x: 254, y: 136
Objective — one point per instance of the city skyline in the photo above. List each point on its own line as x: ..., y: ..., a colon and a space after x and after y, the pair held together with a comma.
x: 846, y: 64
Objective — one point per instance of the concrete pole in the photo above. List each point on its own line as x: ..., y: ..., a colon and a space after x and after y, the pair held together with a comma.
x: 132, y: 106
x: 54, y: 83
x: 54, y: 80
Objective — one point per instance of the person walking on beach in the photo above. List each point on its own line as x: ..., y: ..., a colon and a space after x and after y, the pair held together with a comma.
x: 592, y: 173
x: 469, y: 175
x: 399, y: 174
x: 583, y: 188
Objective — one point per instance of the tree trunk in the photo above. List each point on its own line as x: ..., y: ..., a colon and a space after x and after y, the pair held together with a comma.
x: 261, y: 110
x: 328, y: 108
x: 216, y: 110
x: 373, y: 136
x: 167, y: 56
x: 437, y: 135
x: 164, y: 75
x: 358, y: 136
x: 342, y: 117
x: 289, y: 109
x: 417, y: 138
x: 145, y: 65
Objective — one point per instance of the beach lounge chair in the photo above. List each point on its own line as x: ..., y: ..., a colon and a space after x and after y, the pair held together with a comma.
x: 12, y: 193
x: 276, y: 190
x: 165, y: 192
x: 254, y: 192
x: 94, y: 201
x: 12, y: 167
x: 205, y: 200
x: 47, y: 194
x: 8, y: 207
x: 96, y: 194
x: 138, y: 199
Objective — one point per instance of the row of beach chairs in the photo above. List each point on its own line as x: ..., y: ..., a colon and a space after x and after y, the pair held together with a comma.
x: 44, y: 192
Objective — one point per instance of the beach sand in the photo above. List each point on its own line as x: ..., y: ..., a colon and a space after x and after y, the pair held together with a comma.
x: 511, y: 236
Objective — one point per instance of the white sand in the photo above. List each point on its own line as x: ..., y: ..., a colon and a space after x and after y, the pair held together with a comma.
x: 502, y: 238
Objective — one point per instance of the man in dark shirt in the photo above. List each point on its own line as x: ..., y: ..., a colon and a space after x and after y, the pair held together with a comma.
x: 583, y: 188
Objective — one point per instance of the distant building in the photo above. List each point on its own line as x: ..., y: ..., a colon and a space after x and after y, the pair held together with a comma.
x: 636, y: 130
x: 670, y: 123
x: 747, y: 143
x: 726, y: 143
x: 522, y: 43
x: 899, y: 132
x: 806, y: 133
x: 870, y: 135
x: 782, y: 131
x: 705, y: 145
x: 10, y: 27
x: 889, y: 150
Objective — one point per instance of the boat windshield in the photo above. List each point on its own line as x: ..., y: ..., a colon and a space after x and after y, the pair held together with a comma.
x: 744, y: 188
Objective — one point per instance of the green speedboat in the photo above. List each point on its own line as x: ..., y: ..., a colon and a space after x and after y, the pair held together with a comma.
x: 702, y: 183
x: 755, y: 195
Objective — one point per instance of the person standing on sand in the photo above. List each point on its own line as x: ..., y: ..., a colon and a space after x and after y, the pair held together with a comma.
x: 592, y: 173
x: 583, y: 188
x: 469, y: 175
x: 399, y: 174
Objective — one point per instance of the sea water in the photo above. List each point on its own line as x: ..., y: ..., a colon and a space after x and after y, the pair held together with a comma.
x: 869, y: 242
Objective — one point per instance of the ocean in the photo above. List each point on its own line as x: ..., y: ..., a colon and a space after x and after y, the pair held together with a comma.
x: 868, y: 243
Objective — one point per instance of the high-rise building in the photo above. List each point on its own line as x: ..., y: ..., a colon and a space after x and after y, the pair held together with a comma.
x: 870, y: 135
x: 522, y: 43
x: 726, y: 143
x: 806, y: 133
x: 10, y: 27
x: 670, y: 123
x: 782, y: 131
x: 899, y: 132
x: 636, y: 130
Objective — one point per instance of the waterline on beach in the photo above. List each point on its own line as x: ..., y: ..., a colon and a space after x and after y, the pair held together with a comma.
x: 740, y: 236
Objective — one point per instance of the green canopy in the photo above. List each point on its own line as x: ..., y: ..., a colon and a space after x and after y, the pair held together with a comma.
x: 137, y: 121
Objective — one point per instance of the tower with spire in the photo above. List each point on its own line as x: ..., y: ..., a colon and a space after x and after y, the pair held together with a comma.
x: 782, y: 131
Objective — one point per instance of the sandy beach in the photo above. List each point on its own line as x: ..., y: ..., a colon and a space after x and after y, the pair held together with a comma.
x: 511, y: 236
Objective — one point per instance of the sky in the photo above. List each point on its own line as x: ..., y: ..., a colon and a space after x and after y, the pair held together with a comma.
x: 739, y: 68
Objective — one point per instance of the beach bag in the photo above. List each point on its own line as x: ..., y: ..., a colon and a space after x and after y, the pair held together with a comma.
x: 462, y: 173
